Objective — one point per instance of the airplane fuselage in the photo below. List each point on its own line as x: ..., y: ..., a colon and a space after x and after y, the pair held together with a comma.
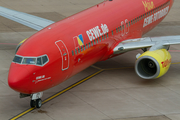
x: 67, y: 47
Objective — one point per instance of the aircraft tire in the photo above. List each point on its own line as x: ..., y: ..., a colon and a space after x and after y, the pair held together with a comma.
x: 38, y: 103
x: 32, y: 103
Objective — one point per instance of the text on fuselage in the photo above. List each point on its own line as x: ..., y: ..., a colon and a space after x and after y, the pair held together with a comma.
x: 166, y: 63
x: 148, y: 5
x: 156, y: 16
x: 97, y: 31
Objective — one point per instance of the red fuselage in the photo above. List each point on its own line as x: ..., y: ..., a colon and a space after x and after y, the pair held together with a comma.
x: 75, y: 43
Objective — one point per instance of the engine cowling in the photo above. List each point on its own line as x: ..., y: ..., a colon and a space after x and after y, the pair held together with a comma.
x: 19, y: 45
x: 153, y: 64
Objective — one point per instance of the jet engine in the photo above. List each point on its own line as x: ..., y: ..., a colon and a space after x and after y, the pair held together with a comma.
x: 19, y: 45
x: 153, y: 64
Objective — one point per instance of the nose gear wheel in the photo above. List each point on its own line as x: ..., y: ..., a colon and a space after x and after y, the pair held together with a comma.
x: 36, y: 103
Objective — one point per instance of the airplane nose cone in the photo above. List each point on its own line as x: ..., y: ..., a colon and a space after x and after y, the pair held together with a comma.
x: 18, y: 79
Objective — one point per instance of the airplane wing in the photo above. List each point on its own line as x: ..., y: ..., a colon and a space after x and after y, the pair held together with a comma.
x: 31, y: 21
x: 147, y: 42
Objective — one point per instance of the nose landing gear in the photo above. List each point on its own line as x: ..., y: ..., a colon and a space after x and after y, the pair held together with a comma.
x: 36, y: 100
x: 36, y: 103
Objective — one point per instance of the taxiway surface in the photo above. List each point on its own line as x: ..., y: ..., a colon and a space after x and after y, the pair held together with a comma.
x: 116, y: 93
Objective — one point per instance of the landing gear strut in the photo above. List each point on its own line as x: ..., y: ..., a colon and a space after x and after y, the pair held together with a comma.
x: 36, y: 100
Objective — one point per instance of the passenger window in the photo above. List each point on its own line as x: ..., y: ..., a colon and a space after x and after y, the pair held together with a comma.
x: 116, y: 30
x: 72, y: 53
x: 75, y: 51
x: 84, y: 47
x: 94, y: 42
x: 91, y: 43
x: 119, y: 29
x: 100, y: 38
x: 97, y: 40
x: 44, y: 59
x: 39, y: 61
x: 107, y: 35
x: 112, y: 32
x: 129, y: 23
x: 79, y: 50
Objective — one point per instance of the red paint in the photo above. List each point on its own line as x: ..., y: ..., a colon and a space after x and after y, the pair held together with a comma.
x: 57, y: 42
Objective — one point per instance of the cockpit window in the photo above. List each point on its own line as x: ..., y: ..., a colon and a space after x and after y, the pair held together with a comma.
x: 45, y: 59
x: 17, y: 59
x: 28, y: 61
x: 39, y: 61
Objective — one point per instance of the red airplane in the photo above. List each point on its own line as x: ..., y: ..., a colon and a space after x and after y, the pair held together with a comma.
x: 62, y: 49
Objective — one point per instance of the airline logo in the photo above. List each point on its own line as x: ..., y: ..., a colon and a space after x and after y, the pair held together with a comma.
x: 148, y: 5
x: 166, y: 63
x: 78, y: 40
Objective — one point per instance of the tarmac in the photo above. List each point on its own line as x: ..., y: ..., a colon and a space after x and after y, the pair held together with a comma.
x: 108, y: 90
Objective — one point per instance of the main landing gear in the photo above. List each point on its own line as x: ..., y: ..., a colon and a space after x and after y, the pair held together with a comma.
x: 35, y: 99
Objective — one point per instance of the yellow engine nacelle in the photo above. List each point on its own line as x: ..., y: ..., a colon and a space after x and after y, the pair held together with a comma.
x: 19, y: 45
x: 153, y: 64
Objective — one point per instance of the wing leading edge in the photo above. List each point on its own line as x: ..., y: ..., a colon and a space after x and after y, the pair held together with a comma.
x: 31, y: 21
x: 140, y: 43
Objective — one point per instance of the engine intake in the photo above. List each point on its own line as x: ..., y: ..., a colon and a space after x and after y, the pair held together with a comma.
x: 153, y: 64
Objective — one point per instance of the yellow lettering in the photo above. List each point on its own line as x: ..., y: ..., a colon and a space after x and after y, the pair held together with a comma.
x: 148, y: 5
x: 145, y: 5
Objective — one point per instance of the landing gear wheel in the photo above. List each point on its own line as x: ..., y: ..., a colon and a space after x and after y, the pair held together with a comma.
x: 32, y: 103
x: 38, y: 103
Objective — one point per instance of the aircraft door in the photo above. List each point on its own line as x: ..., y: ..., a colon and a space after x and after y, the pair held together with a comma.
x: 64, y: 54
